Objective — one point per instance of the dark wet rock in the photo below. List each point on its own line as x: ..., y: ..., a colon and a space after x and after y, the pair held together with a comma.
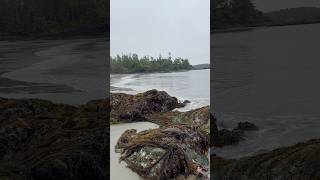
x: 247, y: 126
x: 135, y: 107
x: 227, y: 137
x: 214, y: 132
x: 224, y: 137
x: 186, y: 101
x: 165, y: 153
x: 43, y: 140
x: 300, y: 161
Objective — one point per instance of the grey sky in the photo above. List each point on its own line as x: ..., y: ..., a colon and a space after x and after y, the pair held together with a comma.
x: 270, y: 5
x: 151, y: 27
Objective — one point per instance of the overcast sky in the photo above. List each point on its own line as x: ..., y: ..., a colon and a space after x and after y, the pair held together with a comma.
x: 270, y: 5
x: 151, y: 27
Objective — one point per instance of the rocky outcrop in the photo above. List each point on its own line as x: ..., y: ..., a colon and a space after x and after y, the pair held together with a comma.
x: 300, y: 161
x: 228, y: 137
x: 247, y: 126
x: 165, y: 153
x: 43, y: 140
x: 130, y: 108
x: 198, y: 118
x: 182, y: 136
x: 225, y: 137
x: 142, y: 155
x: 179, y: 147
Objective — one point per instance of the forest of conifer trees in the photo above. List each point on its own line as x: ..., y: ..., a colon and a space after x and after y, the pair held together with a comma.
x: 234, y: 13
x: 53, y: 17
x: 132, y: 63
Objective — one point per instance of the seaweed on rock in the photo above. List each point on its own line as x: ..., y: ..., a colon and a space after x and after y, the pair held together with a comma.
x: 132, y: 108
x: 42, y: 140
x: 165, y: 153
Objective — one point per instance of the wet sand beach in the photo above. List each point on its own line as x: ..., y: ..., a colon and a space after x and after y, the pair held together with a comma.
x: 63, y: 71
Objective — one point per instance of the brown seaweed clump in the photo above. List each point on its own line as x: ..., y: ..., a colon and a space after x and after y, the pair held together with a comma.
x: 43, y: 140
x: 165, y: 153
x: 133, y: 108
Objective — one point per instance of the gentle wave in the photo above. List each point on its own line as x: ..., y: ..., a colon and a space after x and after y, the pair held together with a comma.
x: 122, y: 83
x: 189, y: 85
x: 274, y: 132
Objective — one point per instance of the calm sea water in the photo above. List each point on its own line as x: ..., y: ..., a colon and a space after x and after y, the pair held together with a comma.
x: 188, y: 85
x: 268, y: 76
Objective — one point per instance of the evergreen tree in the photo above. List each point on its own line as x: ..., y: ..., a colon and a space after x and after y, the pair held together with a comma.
x: 131, y: 63
x: 53, y: 17
x: 233, y: 13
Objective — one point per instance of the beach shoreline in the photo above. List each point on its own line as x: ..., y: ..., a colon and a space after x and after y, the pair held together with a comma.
x: 56, y: 70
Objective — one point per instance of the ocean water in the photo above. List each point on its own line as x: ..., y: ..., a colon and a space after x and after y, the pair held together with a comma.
x: 270, y: 77
x: 187, y: 85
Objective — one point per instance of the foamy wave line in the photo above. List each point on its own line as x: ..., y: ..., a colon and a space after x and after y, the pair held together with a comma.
x: 194, y: 103
x: 125, y: 80
x: 124, y: 85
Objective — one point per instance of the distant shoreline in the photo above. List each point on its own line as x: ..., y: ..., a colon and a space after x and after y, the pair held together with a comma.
x: 250, y: 28
x: 238, y: 29
x: 52, y: 37
x: 160, y: 71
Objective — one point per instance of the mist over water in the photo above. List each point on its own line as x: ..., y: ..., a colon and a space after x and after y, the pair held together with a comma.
x: 270, y: 77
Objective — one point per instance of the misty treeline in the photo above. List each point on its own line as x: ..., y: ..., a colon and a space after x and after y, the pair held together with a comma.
x: 233, y: 13
x: 132, y: 63
x: 53, y: 17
